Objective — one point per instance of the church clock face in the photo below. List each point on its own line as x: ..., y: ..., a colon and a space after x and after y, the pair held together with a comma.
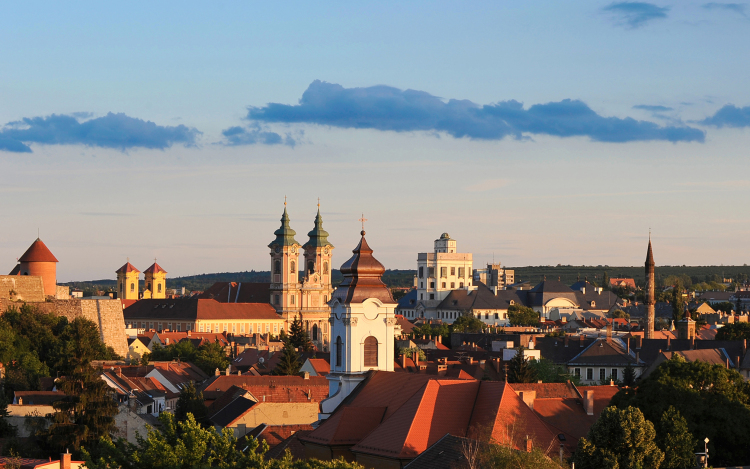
x: 325, y: 251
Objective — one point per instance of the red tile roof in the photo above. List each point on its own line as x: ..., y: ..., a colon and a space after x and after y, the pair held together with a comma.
x: 38, y: 252
x: 272, y: 388
x: 548, y: 390
x: 321, y: 366
x: 154, y: 269
x: 128, y: 267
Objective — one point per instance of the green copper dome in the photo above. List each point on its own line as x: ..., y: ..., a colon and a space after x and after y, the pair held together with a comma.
x: 285, y: 234
x: 318, y: 236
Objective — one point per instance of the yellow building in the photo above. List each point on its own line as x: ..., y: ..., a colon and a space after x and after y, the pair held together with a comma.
x: 127, y: 282
x: 136, y: 349
x: 156, y: 282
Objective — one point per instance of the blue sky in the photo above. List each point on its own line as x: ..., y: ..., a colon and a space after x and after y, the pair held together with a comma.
x: 540, y: 132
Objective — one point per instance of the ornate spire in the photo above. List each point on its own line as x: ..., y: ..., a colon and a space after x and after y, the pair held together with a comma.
x: 318, y: 236
x: 285, y: 234
x: 649, y: 254
x: 362, y: 277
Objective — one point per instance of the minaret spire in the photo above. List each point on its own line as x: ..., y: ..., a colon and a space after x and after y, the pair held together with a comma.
x: 650, y: 291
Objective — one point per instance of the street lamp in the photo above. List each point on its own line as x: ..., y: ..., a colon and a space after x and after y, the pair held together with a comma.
x: 702, y: 458
x: 705, y: 447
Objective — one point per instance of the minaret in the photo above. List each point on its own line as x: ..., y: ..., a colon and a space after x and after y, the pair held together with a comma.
x: 650, y: 296
x: 156, y: 281
x: 127, y: 282
x: 284, y: 270
x: 362, y: 326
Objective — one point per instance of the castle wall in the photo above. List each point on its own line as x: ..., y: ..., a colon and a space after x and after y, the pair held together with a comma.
x: 26, y: 287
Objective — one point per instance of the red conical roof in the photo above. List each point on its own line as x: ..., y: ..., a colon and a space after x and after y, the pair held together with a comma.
x: 128, y: 267
x: 38, y: 252
x: 154, y: 269
x: 362, y: 277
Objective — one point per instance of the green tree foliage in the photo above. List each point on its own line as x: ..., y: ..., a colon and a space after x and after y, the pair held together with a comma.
x: 298, y: 335
x: 628, y: 375
x: 520, y: 315
x: 712, y: 399
x: 467, y: 324
x: 725, y: 306
x: 678, y: 304
x: 502, y: 457
x: 675, y: 440
x: 6, y: 429
x: 290, y: 363
x: 410, y: 353
x: 211, y: 356
x: 207, y: 357
x: 619, y: 439
x: 187, y: 445
x: 191, y: 402
x: 618, y: 313
x: 519, y: 369
x: 549, y: 372
x: 735, y: 331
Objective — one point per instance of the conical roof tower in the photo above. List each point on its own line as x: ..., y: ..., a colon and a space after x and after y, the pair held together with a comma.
x: 285, y: 233
x: 318, y: 236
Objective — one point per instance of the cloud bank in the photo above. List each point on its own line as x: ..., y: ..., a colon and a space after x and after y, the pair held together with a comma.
x: 729, y: 116
x: 111, y: 131
x: 255, y: 134
x: 635, y: 14
x: 738, y: 8
x: 390, y: 109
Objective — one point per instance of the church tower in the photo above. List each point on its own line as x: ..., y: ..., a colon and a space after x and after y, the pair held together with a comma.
x: 285, y: 294
x: 650, y: 292
x: 156, y: 281
x: 127, y: 282
x: 316, y: 285
x: 362, y: 326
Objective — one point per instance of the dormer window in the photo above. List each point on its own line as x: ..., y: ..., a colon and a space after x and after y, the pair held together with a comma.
x: 512, y: 302
x: 593, y: 304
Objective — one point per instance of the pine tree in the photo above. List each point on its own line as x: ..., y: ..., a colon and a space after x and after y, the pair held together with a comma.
x: 191, y: 402
x: 520, y: 371
x: 289, y: 364
x: 628, y: 376
x: 298, y: 335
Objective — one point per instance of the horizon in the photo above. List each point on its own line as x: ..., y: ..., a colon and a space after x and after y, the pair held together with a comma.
x: 534, y: 134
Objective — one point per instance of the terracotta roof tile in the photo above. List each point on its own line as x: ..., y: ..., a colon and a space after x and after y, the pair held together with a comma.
x: 128, y: 267
x: 154, y: 269
x: 38, y: 252
x: 270, y: 388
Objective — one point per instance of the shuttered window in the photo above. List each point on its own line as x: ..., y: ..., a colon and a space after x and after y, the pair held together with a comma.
x: 339, y: 351
x: 371, y: 351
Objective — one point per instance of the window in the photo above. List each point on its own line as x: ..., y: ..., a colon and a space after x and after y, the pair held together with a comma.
x: 577, y: 372
x: 242, y: 328
x: 148, y: 286
x: 371, y: 351
x: 315, y: 332
x: 497, y: 316
x: 275, y: 328
x: 431, y: 272
x: 169, y: 326
x: 159, y: 286
x: 614, y: 374
x: 216, y: 327
x: 453, y: 285
x: 325, y: 267
x: 291, y: 299
x: 160, y: 327
x: 234, y: 328
x: 132, y: 287
x: 432, y: 284
x: 200, y: 328
x: 292, y: 267
x: 421, y: 272
x: 189, y: 327
x: 432, y: 296
x: 179, y: 327
x: 339, y: 352
x: 486, y: 315
x: 442, y: 285
x: 275, y: 299
x: 443, y: 272
x: 277, y: 267
x: 421, y: 284
x: 461, y: 285
x: 602, y: 374
x: 453, y: 271
x: 268, y: 328
x: 512, y: 302
x: 151, y: 325
x: 462, y: 272
x: 589, y: 374
x: 421, y: 296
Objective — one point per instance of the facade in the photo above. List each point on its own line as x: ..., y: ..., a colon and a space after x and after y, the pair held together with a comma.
x: 128, y: 287
x: 155, y: 282
x: 308, y: 297
x: 362, y: 326
x: 440, y: 272
x: 495, y: 276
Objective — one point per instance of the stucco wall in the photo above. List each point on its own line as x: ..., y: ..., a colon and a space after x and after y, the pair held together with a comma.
x: 18, y: 415
x: 275, y: 413
x: 128, y: 424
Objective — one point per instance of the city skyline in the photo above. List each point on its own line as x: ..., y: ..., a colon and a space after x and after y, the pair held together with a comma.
x: 541, y: 134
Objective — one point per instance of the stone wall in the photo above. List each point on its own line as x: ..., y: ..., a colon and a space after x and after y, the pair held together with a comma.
x: 21, y: 288
x: 106, y: 314
x: 62, y: 293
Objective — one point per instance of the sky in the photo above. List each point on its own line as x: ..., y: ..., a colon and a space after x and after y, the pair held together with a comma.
x: 534, y: 133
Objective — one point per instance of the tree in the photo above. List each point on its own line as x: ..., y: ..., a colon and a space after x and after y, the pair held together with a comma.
x: 6, y: 429
x: 191, y: 402
x: 289, y: 364
x: 605, y: 281
x: 628, y: 375
x: 519, y: 370
x: 467, y: 324
x: 211, y: 356
x: 735, y: 331
x: 549, y: 372
x: 618, y: 313
x: 619, y: 439
x: 674, y: 439
x: 678, y: 303
x: 520, y: 315
x: 712, y: 399
x: 298, y: 335
x: 725, y: 306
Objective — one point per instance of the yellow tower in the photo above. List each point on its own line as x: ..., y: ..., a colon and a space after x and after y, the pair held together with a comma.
x: 156, y: 281
x: 127, y: 282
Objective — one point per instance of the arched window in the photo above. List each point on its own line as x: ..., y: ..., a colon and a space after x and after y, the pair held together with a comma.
x: 160, y: 288
x: 315, y: 332
x: 371, y: 351
x: 148, y: 286
x: 132, y: 287
x: 310, y: 267
x: 339, y: 352
x: 325, y: 267
x: 277, y: 267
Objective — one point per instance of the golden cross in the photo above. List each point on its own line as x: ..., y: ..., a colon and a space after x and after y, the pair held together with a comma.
x: 284, y: 201
x: 318, y: 202
x: 363, y: 220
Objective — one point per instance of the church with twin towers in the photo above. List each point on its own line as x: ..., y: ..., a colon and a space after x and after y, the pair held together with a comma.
x: 306, y: 297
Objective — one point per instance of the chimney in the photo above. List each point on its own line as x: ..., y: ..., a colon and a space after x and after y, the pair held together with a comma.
x: 529, y: 444
x: 580, y: 336
x: 611, y: 382
x: 637, y: 357
x: 228, y: 370
x: 306, y: 375
x: 566, y: 340
x: 692, y: 343
x: 166, y: 341
x: 738, y: 363
x: 627, y: 344
x: 217, y: 372
x: 440, y: 339
x: 403, y: 360
x: 640, y: 341
x: 588, y: 403
x: 119, y: 372
x: 416, y: 357
x: 727, y: 361
x: 528, y: 398
x: 609, y: 332
x: 744, y: 346
x: 669, y: 343
x: 189, y: 333
x: 65, y: 460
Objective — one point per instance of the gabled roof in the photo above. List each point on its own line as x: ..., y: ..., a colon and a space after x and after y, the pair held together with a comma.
x: 285, y: 437
x: 238, y: 292
x: 227, y: 415
x: 38, y: 252
x: 408, y: 301
x: 38, y: 397
x: 605, y: 352
x: 482, y: 298
x: 446, y: 453
x: 269, y: 388
x: 321, y: 366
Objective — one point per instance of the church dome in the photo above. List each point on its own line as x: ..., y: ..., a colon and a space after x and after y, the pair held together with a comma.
x: 285, y: 233
x: 362, y: 277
